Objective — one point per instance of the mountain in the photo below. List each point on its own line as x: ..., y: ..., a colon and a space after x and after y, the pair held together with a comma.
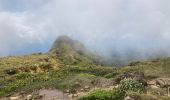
x: 69, y: 68
x: 72, y: 51
x: 64, y: 44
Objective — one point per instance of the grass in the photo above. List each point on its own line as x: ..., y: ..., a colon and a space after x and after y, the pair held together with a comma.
x: 152, y: 68
x: 45, y: 71
x: 48, y: 71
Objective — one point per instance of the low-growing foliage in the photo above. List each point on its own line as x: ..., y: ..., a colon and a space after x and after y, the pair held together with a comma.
x: 98, y: 95
x: 131, y: 85
x: 104, y: 95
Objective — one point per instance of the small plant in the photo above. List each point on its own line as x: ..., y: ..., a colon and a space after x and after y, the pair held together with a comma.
x: 110, y: 75
x: 98, y: 95
x: 104, y: 95
x: 131, y: 85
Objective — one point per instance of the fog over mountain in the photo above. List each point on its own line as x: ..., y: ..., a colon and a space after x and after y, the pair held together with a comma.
x: 117, y: 29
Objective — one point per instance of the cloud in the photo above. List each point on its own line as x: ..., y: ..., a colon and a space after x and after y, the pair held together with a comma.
x: 103, y: 25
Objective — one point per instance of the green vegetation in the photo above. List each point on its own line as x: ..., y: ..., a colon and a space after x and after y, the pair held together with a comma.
x: 104, y: 95
x: 131, y: 85
x: 151, y: 68
x: 38, y: 71
x: 69, y: 66
x: 126, y: 87
x: 98, y: 95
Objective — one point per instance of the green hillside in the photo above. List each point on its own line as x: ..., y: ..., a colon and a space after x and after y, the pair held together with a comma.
x: 70, y: 67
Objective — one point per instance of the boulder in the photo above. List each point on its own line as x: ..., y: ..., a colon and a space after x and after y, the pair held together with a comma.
x: 77, y: 84
x: 129, y: 98
x: 15, y: 98
x: 122, y: 76
x: 87, y: 87
x: 152, y: 82
x: 28, y: 97
x: 163, y: 82
x: 132, y: 97
x: 70, y: 96
x: 67, y: 91
x: 75, y: 95
x: 138, y: 75
x: 38, y: 97
x: 125, y: 75
x: 81, y: 90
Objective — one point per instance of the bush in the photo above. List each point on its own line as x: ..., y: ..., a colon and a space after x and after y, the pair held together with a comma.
x: 110, y: 75
x: 104, y: 95
x: 98, y: 95
x: 118, y: 95
x: 131, y: 85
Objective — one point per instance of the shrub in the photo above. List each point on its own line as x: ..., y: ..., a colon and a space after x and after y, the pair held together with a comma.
x: 104, y: 95
x: 98, y: 95
x: 110, y: 75
x: 118, y: 95
x: 131, y: 85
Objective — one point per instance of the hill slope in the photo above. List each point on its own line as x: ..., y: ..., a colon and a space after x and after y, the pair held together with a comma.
x: 67, y: 63
x: 72, y: 51
x: 69, y: 66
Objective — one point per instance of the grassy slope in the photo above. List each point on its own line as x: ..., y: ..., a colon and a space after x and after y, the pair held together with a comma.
x: 38, y: 71
x: 42, y: 70
x: 153, y: 68
x: 64, y: 67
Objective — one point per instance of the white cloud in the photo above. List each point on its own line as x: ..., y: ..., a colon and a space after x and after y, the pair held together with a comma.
x: 104, y: 24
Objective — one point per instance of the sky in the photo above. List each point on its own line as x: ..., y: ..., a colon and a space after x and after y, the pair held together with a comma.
x: 106, y: 26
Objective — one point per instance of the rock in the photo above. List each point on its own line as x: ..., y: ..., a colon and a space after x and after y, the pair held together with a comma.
x: 138, y: 76
x: 133, y: 97
x: 116, y: 86
x: 163, y: 82
x: 153, y: 82
x: 87, y: 87
x: 122, y: 76
x: 160, y: 82
x: 56, y: 98
x: 70, y: 96
x: 29, y: 97
x: 11, y: 71
x: 81, y: 90
x: 67, y: 91
x: 154, y: 86
x: 77, y: 84
x: 128, y: 98
x: 75, y: 95
x: 14, y: 98
x: 125, y: 75
x: 38, y: 97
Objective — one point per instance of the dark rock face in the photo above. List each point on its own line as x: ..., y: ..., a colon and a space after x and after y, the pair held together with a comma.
x: 125, y: 75
x: 138, y: 76
x: 11, y: 71
x: 122, y: 76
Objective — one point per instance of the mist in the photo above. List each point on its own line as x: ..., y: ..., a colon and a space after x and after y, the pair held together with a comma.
x: 120, y: 30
